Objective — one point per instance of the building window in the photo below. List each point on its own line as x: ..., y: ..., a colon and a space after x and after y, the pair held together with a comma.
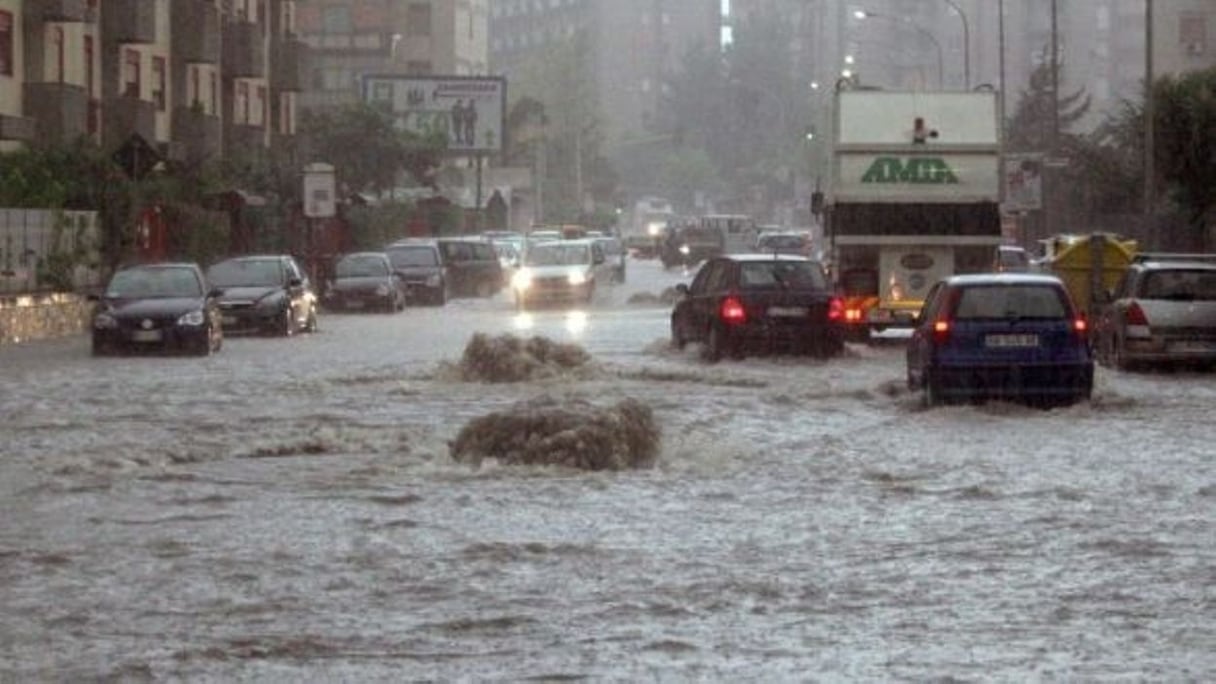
x: 1192, y: 33
x: 287, y: 119
x: 418, y: 19
x: 242, y: 103
x: 196, y: 87
x: 130, y: 75
x: 215, y: 93
x: 57, y: 45
x: 260, y: 105
x: 289, y: 19
x: 6, y: 43
x: 158, y: 83
x: 335, y: 19
x: 89, y: 74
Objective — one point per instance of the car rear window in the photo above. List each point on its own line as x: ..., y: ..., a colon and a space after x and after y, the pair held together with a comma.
x: 413, y: 256
x: 801, y: 274
x: 1179, y: 284
x: 1019, y: 301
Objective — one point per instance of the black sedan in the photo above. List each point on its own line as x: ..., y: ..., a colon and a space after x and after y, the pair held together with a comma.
x: 759, y: 303
x: 365, y: 281
x: 421, y: 268
x: 157, y: 307
x: 269, y: 294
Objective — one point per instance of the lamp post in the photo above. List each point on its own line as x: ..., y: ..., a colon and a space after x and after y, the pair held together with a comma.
x: 966, y: 43
x: 864, y: 14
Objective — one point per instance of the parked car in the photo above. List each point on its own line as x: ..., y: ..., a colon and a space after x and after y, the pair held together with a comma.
x: 264, y: 294
x: 365, y: 281
x: 614, y: 252
x: 739, y: 304
x: 562, y: 271
x: 1014, y: 336
x: 422, y: 271
x: 472, y: 266
x: 1161, y: 311
x: 157, y: 307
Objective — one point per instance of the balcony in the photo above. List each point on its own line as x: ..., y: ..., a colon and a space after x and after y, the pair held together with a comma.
x: 17, y: 128
x: 195, y: 29
x: 244, y: 50
x: 126, y: 115
x: 129, y: 21
x: 200, y: 133
x: 63, y: 11
x: 289, y: 68
x: 61, y: 109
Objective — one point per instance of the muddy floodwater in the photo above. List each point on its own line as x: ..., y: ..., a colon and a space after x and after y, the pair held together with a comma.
x: 288, y: 510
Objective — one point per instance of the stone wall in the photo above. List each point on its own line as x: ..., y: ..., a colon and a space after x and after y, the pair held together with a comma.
x: 38, y: 317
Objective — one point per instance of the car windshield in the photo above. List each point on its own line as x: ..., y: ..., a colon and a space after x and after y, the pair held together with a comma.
x: 246, y: 273
x: 1181, y: 284
x: 153, y: 283
x: 557, y: 254
x: 1011, y: 302
x: 799, y: 274
x: 405, y: 257
x: 361, y: 266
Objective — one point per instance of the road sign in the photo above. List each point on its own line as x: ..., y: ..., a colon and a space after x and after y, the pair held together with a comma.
x: 319, y: 191
x: 469, y: 110
x: 136, y: 157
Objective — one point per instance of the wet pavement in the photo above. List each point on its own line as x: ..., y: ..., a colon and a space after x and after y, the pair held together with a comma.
x: 288, y: 510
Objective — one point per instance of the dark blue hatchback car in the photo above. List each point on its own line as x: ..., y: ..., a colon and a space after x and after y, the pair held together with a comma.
x: 1007, y: 336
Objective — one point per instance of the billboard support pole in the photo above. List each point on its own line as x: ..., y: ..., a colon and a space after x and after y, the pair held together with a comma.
x: 479, y: 208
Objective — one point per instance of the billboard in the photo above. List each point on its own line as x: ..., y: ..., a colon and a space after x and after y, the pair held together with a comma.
x: 1023, y: 182
x: 469, y: 110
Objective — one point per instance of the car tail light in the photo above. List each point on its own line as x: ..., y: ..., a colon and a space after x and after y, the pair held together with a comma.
x: 836, y: 310
x: 853, y: 315
x: 1135, y: 315
x: 941, y: 331
x: 732, y: 310
x: 1080, y: 326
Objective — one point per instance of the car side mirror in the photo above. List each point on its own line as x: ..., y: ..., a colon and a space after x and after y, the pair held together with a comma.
x: 215, y: 293
x: 682, y: 290
x: 294, y: 282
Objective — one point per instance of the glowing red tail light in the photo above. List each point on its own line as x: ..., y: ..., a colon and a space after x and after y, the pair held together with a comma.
x: 836, y: 310
x: 853, y: 315
x: 941, y: 331
x: 1080, y: 326
x: 732, y: 310
x: 1135, y: 315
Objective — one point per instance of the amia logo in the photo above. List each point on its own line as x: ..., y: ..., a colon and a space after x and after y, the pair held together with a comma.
x: 916, y: 170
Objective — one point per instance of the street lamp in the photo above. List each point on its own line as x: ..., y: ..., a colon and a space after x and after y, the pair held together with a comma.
x: 966, y: 43
x: 864, y: 14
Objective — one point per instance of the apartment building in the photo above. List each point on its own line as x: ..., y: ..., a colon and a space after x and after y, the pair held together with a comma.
x: 197, y: 79
x: 350, y: 38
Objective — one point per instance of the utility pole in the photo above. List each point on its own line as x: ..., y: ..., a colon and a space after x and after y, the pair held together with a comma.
x: 1150, y: 110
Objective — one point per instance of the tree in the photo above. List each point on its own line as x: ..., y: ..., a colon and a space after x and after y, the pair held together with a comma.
x: 367, y: 150
x: 1032, y: 126
x: 1185, y: 134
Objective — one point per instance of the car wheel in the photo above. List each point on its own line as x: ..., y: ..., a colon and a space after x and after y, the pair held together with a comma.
x: 441, y: 296
x: 1120, y: 356
x: 287, y: 323
x: 932, y: 396
x: 714, y: 345
x: 203, y: 346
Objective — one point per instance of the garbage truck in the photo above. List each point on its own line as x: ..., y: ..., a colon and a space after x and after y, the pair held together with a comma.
x: 913, y: 196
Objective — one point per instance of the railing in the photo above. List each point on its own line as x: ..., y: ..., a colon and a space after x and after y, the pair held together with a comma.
x: 44, y: 250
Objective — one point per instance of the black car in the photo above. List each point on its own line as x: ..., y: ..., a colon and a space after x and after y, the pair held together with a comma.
x: 157, y: 307
x: 422, y: 271
x: 473, y: 267
x: 268, y: 294
x: 763, y: 303
x: 365, y: 281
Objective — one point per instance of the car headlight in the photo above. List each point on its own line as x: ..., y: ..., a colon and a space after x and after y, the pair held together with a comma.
x: 104, y: 321
x: 382, y: 289
x: 684, y: 250
x: 577, y: 278
x: 522, y: 280
x: 194, y: 318
x: 433, y: 280
x: 654, y: 229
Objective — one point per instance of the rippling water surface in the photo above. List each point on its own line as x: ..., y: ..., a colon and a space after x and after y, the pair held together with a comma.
x: 287, y: 510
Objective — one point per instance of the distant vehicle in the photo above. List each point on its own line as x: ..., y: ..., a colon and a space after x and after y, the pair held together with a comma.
x: 690, y: 245
x: 645, y: 224
x: 1012, y: 336
x: 422, y: 271
x: 473, y: 269
x: 1012, y: 259
x: 564, y: 271
x: 1161, y: 311
x: 784, y: 242
x: 738, y: 231
x: 158, y: 307
x: 366, y: 281
x: 740, y: 304
x: 265, y: 293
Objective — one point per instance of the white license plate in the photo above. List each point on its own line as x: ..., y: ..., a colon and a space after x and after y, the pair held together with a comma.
x: 1011, y: 341
x: 228, y: 320
x: 787, y: 311
x: 145, y: 336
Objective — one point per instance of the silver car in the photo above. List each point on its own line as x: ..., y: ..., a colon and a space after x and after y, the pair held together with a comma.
x: 1162, y: 311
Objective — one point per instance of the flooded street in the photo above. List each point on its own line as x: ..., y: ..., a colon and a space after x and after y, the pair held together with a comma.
x: 287, y: 510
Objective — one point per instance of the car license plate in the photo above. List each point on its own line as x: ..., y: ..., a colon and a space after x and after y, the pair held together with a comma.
x: 228, y: 320
x: 787, y: 311
x: 1011, y: 341
x: 145, y: 336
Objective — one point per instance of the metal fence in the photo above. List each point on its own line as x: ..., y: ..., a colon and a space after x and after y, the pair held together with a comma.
x: 43, y: 250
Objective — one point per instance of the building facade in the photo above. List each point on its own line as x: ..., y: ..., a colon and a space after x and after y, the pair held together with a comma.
x: 196, y: 79
x: 350, y: 38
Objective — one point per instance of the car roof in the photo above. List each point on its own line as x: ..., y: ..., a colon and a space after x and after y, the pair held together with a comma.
x: 1003, y: 279
x: 364, y: 253
x: 256, y: 257
x: 162, y: 264
x: 754, y: 258
x: 1176, y: 265
x: 412, y: 242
